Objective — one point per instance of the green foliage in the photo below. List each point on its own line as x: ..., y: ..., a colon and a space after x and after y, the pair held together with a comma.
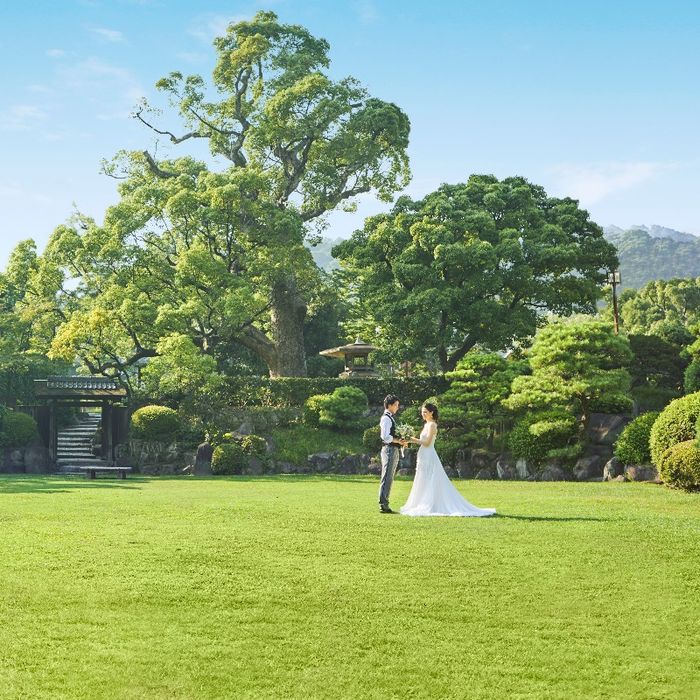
x: 473, y: 405
x: 691, y: 378
x: 16, y: 429
x: 632, y: 445
x: 479, y: 264
x: 255, y: 446
x: 312, y: 410
x: 294, y: 391
x: 679, y: 466
x: 295, y: 443
x: 656, y: 362
x: 538, y: 436
x: 576, y: 365
x: 651, y: 398
x: 645, y: 258
x: 158, y: 423
x: 675, y: 424
x: 342, y: 410
x: 371, y: 439
x: 228, y: 458
x: 663, y: 308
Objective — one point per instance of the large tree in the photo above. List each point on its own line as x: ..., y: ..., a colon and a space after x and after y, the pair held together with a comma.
x: 479, y: 264
x: 224, y: 251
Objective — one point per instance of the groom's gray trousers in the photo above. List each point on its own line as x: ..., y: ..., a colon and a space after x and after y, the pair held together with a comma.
x: 390, y: 460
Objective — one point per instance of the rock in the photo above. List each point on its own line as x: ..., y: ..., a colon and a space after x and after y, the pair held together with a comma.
x: 350, y: 464
x: 406, y: 472
x: 551, y: 472
x: 322, y: 461
x: 374, y: 467
x: 620, y: 477
x: 464, y: 468
x: 612, y: 468
x: 505, y: 468
x: 588, y: 468
x: 485, y: 473
x: 245, y: 428
x: 522, y: 469
x: 37, y: 460
x: 481, y: 459
x: 290, y: 468
x: 641, y: 472
x: 202, y: 460
x: 604, y: 428
x: 255, y: 467
x: 15, y: 460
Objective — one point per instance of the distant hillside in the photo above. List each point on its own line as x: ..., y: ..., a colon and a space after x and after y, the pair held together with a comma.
x: 654, y: 253
x: 322, y: 254
x: 646, y: 253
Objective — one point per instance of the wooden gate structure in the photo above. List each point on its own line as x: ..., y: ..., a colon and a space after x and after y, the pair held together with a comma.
x: 88, y: 392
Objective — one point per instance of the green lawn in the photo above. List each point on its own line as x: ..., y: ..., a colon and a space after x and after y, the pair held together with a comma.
x: 294, y: 587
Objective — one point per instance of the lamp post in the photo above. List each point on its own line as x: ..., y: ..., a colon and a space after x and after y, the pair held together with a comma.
x: 613, y: 280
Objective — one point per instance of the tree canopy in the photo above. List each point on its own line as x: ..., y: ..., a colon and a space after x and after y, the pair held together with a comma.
x: 478, y: 264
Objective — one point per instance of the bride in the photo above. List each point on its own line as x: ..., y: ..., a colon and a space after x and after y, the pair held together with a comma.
x: 432, y: 492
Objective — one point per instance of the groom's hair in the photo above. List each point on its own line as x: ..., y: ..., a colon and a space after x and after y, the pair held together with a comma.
x: 388, y: 400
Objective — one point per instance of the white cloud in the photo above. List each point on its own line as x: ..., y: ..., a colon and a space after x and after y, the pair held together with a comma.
x: 593, y: 183
x: 55, y: 53
x: 21, y: 117
x: 111, y: 35
x: 366, y: 10
x: 208, y: 26
x: 93, y: 76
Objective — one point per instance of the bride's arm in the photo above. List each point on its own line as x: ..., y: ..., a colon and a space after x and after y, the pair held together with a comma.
x: 432, y: 428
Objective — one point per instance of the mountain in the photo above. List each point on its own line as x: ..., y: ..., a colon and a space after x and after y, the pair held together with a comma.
x: 322, y: 253
x: 654, y: 252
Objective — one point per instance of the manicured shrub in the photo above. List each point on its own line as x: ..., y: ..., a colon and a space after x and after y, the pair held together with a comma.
x: 632, y: 446
x: 691, y: 378
x: 341, y: 410
x: 16, y: 429
x: 679, y: 466
x: 255, y: 446
x: 616, y: 403
x: 312, y: 410
x: 675, y: 424
x: 540, y: 435
x: 371, y: 439
x: 155, y: 423
x: 228, y: 458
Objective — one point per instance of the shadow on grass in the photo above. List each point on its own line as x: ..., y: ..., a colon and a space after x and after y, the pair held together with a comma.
x: 17, y: 483
x: 544, y: 518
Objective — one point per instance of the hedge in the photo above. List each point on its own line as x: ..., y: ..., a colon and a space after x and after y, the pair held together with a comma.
x: 155, y: 423
x: 16, y: 429
x: 632, y: 446
x: 679, y: 466
x: 294, y: 391
x: 675, y: 424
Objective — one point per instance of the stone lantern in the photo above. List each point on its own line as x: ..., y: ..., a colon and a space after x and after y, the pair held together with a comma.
x: 356, y: 357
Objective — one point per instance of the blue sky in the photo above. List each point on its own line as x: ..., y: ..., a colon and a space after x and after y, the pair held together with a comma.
x: 595, y: 100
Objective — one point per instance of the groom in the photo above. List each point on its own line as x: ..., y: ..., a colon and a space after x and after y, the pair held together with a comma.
x: 390, y: 451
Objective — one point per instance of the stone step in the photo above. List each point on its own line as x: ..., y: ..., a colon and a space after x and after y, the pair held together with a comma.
x: 81, y: 462
x: 63, y: 456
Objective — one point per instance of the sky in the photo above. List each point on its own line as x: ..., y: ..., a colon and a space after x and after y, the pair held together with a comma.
x: 596, y: 100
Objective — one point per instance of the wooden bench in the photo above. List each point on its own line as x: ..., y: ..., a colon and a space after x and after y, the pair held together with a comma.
x: 91, y: 472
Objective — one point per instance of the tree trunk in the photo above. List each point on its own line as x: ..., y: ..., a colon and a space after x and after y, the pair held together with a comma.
x: 287, y: 316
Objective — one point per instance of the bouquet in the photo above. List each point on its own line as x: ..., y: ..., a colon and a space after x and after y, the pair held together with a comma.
x: 404, y: 431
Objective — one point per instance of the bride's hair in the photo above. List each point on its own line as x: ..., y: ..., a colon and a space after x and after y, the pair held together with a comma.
x: 432, y: 408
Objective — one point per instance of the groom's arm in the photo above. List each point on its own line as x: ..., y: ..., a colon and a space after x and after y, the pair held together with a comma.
x: 385, y: 430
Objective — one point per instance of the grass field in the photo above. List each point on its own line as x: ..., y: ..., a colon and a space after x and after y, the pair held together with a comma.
x: 294, y: 587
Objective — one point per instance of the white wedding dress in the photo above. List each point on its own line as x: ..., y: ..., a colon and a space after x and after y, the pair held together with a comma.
x: 432, y: 492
